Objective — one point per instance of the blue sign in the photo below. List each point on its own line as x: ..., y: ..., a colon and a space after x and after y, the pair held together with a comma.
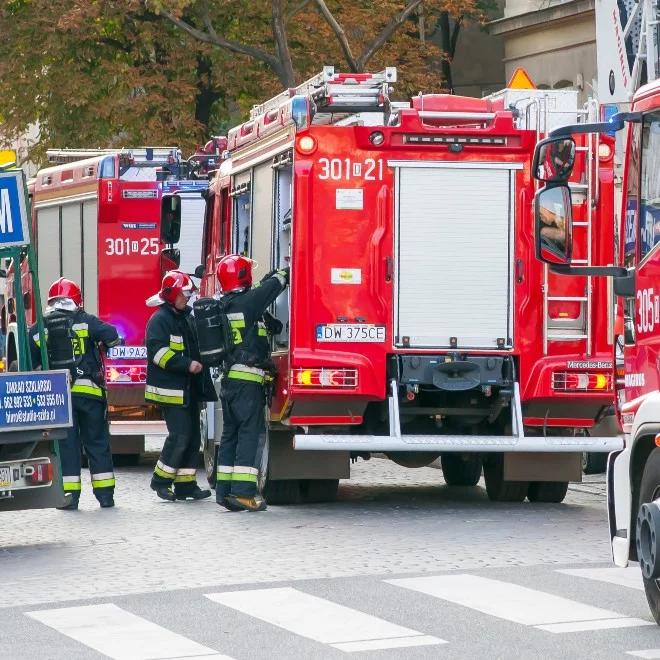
x: 185, y: 186
x: 13, y: 210
x: 34, y: 400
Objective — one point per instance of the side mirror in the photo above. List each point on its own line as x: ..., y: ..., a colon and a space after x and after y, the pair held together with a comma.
x: 554, y: 225
x: 170, y: 218
x: 199, y: 271
x: 170, y: 259
x: 554, y: 159
x: 625, y: 286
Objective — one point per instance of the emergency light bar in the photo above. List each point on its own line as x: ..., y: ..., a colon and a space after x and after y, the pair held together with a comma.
x: 150, y: 155
x: 451, y: 139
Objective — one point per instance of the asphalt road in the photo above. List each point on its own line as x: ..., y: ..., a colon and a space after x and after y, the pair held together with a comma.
x: 401, y: 566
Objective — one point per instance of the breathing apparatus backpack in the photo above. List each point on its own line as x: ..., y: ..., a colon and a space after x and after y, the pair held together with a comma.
x: 61, y: 337
x: 214, y: 333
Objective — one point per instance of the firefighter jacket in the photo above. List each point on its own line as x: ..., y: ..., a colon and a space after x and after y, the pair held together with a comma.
x: 87, y: 332
x: 171, y: 347
x: 245, y: 312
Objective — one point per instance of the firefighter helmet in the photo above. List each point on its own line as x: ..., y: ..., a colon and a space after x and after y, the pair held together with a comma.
x: 174, y: 282
x: 63, y: 288
x: 234, y: 272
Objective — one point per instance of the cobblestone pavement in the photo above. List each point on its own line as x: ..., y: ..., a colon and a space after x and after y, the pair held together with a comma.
x: 388, y: 520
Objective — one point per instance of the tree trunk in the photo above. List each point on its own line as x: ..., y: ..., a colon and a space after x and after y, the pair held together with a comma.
x: 206, y: 94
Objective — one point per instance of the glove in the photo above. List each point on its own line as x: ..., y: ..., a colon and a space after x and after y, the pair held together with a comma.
x: 285, y: 272
x: 273, y: 325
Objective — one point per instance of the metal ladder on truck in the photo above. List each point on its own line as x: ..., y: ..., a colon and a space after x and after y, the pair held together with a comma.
x: 577, y: 328
x: 335, y: 95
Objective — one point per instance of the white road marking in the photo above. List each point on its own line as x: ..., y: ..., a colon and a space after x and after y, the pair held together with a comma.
x: 518, y: 604
x: 626, y: 577
x: 343, y: 628
x: 122, y: 635
x: 649, y: 655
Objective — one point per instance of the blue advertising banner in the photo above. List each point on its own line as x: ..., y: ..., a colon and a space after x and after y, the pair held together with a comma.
x: 34, y: 400
x: 13, y: 210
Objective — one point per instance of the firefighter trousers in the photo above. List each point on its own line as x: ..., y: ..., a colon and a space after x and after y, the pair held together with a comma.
x: 243, y: 423
x: 89, y: 432
x: 178, y: 460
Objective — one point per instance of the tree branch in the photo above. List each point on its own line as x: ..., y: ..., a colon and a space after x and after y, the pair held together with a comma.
x: 221, y: 42
x: 340, y: 34
x: 386, y: 33
x: 286, y: 73
x: 454, y: 36
x: 295, y: 10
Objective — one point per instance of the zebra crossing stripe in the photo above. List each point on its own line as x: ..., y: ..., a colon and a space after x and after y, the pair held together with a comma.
x: 625, y: 577
x: 518, y: 604
x: 651, y: 654
x: 321, y: 620
x: 122, y: 635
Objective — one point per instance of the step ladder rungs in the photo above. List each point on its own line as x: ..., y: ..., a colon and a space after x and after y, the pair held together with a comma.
x: 568, y: 298
x: 581, y: 224
x: 552, y: 337
x: 581, y: 148
x: 579, y: 262
x: 578, y: 186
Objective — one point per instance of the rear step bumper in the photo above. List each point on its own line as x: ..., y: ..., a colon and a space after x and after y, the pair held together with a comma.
x: 457, y: 443
x: 517, y: 442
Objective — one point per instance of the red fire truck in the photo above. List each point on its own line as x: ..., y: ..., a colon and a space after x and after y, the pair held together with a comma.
x: 418, y: 323
x: 96, y: 220
x: 633, y: 475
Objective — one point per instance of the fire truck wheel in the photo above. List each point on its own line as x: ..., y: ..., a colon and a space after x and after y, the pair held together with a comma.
x: 315, y: 491
x: 209, y: 450
x: 282, y: 491
x: 594, y: 462
x: 650, y: 491
x: 461, y: 469
x: 497, y: 488
x: 547, y: 491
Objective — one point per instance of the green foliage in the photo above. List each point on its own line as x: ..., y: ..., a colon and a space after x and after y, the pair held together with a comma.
x: 112, y: 73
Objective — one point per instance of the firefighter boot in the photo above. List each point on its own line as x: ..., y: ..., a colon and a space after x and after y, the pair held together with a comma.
x: 194, y: 493
x: 254, y: 503
x: 72, y: 503
x: 230, y: 506
x: 106, y: 500
x: 164, y: 491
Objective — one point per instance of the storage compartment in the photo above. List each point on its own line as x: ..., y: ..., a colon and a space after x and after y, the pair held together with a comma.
x: 454, y: 252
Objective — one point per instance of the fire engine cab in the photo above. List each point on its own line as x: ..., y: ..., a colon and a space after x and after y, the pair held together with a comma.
x: 418, y: 322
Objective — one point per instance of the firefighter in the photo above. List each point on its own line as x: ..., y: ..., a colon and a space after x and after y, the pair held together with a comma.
x: 176, y: 381
x: 242, y: 390
x: 70, y: 330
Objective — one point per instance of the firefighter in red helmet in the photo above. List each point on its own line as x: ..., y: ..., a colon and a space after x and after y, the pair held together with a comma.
x: 243, y: 382
x: 176, y: 381
x: 73, y: 338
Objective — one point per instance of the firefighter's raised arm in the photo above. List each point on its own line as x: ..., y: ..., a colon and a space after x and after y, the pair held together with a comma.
x: 262, y: 295
x: 164, y: 349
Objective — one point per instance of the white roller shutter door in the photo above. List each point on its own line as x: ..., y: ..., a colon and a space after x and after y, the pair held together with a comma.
x: 454, y: 255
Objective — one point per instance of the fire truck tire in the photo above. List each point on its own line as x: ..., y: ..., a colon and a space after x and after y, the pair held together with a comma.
x: 461, y: 469
x: 314, y: 491
x: 209, y: 450
x: 282, y: 491
x: 497, y: 488
x: 547, y: 491
x: 649, y: 491
x: 594, y: 462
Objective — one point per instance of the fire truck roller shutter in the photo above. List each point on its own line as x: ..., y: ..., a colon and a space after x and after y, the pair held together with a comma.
x: 262, y: 215
x: 48, y: 248
x: 454, y: 251
x: 192, y: 227
x: 71, y: 241
x: 90, y: 260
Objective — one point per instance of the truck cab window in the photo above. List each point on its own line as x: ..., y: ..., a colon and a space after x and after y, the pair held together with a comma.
x: 649, y: 199
x: 241, y: 228
x: 107, y: 168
